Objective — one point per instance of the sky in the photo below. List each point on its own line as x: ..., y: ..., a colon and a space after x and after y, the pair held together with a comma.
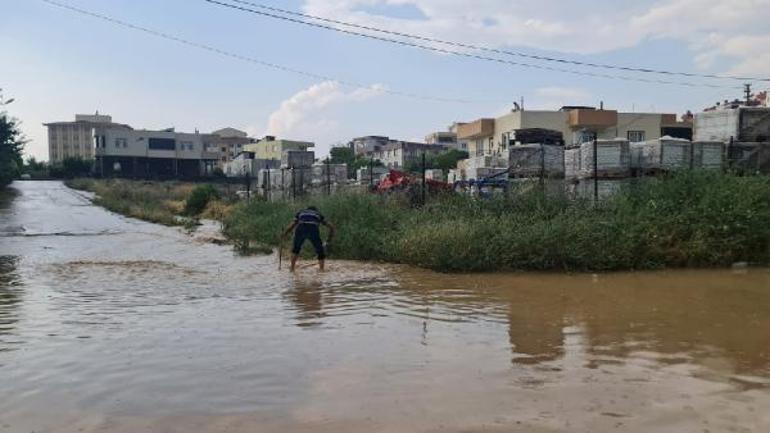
x: 57, y: 63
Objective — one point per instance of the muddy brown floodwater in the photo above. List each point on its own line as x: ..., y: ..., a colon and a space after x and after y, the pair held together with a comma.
x: 109, y: 324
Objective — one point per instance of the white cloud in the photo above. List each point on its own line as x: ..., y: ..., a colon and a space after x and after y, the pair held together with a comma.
x: 566, y: 93
x: 711, y: 28
x: 306, y: 115
x: 554, y: 97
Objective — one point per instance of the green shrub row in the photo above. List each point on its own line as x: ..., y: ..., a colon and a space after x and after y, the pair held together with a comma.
x: 692, y: 219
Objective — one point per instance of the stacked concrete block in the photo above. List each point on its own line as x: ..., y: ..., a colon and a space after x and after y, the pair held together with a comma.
x: 480, y: 167
x: 297, y: 159
x: 435, y: 174
x: 572, y: 164
x: 285, y: 178
x: 323, y: 174
x: 536, y: 160
x: 364, y: 175
x: 552, y: 187
x: 749, y: 156
x: 666, y: 153
x: 709, y: 155
x: 613, y: 159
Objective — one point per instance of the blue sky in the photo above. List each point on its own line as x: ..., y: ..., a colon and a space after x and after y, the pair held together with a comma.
x: 57, y: 63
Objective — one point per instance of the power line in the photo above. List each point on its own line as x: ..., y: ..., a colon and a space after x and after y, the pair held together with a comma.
x: 459, y: 53
x: 252, y: 60
x: 500, y: 51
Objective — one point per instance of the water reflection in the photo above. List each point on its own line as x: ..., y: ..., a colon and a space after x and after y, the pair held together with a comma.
x: 307, y: 300
x: 10, y: 299
x: 680, y: 316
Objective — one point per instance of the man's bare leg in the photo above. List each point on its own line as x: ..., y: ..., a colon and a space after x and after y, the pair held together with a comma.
x: 321, y: 263
x: 294, y: 258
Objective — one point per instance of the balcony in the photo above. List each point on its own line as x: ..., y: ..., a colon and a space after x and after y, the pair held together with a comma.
x: 590, y: 118
x: 476, y: 129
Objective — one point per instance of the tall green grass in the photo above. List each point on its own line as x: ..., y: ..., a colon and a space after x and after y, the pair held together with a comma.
x: 693, y: 219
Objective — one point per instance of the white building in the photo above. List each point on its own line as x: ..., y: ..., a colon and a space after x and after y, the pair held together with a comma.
x: 401, y: 154
x: 75, y: 139
x: 143, y: 153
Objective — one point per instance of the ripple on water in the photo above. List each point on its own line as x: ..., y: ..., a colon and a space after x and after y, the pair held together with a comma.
x: 10, y: 301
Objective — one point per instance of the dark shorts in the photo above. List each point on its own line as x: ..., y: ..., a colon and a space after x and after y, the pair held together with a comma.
x: 308, y: 232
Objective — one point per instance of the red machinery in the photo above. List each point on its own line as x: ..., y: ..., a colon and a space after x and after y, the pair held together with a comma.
x: 398, y: 180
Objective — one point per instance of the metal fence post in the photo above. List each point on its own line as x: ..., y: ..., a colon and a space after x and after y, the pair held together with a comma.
x: 423, y: 178
x: 596, y: 168
x: 371, y: 172
x: 267, y: 186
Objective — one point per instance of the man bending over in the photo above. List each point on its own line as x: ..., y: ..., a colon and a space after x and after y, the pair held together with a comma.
x: 306, y: 226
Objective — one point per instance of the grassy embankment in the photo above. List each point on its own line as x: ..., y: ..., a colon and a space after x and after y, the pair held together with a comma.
x: 688, y: 220
x: 159, y: 202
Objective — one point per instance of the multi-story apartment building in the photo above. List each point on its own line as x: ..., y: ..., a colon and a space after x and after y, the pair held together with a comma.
x: 76, y: 139
x: 162, y: 154
x: 446, y: 138
x: 370, y: 143
x: 271, y: 148
x: 229, y: 144
x: 401, y: 154
x: 398, y: 154
x: 493, y: 136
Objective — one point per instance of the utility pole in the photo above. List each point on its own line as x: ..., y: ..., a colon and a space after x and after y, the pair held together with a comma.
x: 266, y: 187
x: 371, y: 172
x: 747, y: 91
x: 248, y: 184
x: 328, y: 176
x: 423, y: 178
x: 596, y: 168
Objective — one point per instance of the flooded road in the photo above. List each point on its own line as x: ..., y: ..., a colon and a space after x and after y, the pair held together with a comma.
x: 109, y: 324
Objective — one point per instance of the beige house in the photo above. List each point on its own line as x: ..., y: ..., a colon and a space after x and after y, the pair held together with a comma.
x: 228, y: 143
x: 270, y: 148
x: 577, y: 124
x: 76, y: 139
x: 446, y: 138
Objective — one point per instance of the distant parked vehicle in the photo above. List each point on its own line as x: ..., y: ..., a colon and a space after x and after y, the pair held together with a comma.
x: 26, y: 176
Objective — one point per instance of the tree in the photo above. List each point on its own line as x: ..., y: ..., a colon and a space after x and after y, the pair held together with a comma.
x: 34, y: 168
x: 448, y: 161
x: 346, y: 155
x: 11, y: 146
x: 342, y: 155
x: 444, y: 162
x: 72, y: 167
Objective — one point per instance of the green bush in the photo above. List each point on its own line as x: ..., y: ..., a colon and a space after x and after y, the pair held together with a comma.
x: 692, y: 219
x: 199, y: 198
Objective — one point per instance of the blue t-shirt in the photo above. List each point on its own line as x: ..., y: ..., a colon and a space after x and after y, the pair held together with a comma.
x: 309, y: 217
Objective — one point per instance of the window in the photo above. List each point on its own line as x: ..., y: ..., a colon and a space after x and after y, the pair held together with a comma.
x: 121, y: 142
x: 635, y: 136
x: 185, y: 145
x: 162, y: 144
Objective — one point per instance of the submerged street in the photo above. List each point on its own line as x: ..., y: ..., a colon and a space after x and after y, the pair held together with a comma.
x: 109, y: 324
